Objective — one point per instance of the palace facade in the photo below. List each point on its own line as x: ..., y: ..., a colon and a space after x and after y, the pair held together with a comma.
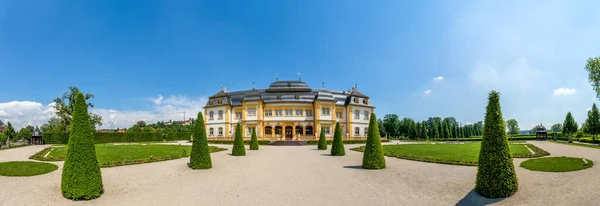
x: 288, y: 110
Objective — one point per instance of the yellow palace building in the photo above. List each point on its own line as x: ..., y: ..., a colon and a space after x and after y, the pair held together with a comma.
x: 288, y: 110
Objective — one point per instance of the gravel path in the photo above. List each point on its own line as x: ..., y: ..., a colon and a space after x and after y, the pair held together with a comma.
x: 302, y: 175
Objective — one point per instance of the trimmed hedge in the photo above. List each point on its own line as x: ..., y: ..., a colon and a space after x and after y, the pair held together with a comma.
x: 238, y: 145
x: 538, y: 152
x: 40, y: 155
x: 316, y: 142
x: 496, y: 175
x: 373, y: 156
x: 200, y: 157
x: 253, y: 141
x: 337, y: 148
x: 81, y: 176
x: 111, y: 137
x: 322, y: 141
x: 246, y: 142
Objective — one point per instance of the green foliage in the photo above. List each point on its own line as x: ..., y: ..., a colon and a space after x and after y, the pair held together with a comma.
x: 260, y: 142
x: 322, y: 141
x: 496, y: 175
x: 65, y: 108
x: 513, y: 126
x: 10, y: 133
x: 569, y: 126
x: 373, y: 156
x: 424, y: 133
x: 556, y: 127
x: 2, y: 138
x: 593, y: 68
x: 81, y: 177
x: 593, y: 122
x: 337, y: 149
x: 26, y: 168
x: 200, y: 157
x: 238, y: 145
x: 316, y: 142
x: 254, y: 140
x: 557, y: 164
x: 24, y: 134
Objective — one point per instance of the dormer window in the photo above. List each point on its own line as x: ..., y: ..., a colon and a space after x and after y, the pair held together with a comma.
x: 365, y: 101
x: 355, y: 99
x: 297, y: 96
x: 279, y: 97
x: 220, y: 100
x: 211, y: 101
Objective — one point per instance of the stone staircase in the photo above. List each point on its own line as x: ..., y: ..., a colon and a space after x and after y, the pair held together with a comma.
x: 289, y: 143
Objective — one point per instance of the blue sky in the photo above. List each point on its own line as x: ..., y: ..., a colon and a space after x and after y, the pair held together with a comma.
x: 153, y: 59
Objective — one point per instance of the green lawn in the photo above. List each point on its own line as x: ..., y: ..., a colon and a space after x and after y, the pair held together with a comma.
x: 556, y: 164
x: 460, y: 154
x: 26, y: 168
x: 117, y: 153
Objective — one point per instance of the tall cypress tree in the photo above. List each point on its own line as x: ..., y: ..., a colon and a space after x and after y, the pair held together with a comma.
x: 322, y: 141
x: 81, y: 176
x: 254, y: 140
x: 496, y: 175
x: 238, y: 144
x: 200, y: 156
x: 337, y: 147
x: 373, y: 157
x: 569, y: 126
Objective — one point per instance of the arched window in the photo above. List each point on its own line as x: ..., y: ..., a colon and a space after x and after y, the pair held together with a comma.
x: 220, y: 131
x: 268, y: 130
x: 220, y: 114
x: 278, y: 130
x: 309, y: 130
x: 298, y: 130
x: 357, y: 131
x: 356, y: 114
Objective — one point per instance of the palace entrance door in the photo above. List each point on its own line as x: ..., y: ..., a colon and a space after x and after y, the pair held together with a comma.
x: 288, y: 133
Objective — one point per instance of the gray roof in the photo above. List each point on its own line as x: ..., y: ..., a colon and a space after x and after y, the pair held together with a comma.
x: 286, y: 91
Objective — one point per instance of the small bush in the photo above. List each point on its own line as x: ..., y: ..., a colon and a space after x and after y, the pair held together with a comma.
x: 81, y: 177
x: 238, y: 145
x: 373, y: 156
x: 337, y: 149
x: 200, y: 156
x: 322, y: 141
x: 496, y: 175
x: 253, y: 141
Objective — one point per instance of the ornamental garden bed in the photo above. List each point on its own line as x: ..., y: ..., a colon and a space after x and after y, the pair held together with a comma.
x: 110, y: 155
x: 315, y: 142
x: 557, y: 164
x: 455, y: 154
x: 26, y: 168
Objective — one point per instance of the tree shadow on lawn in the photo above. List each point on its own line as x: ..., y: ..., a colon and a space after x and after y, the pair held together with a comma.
x: 472, y: 198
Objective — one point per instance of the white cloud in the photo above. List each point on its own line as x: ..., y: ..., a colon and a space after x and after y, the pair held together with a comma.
x: 427, y: 92
x: 564, y: 91
x: 23, y: 113
x: 439, y: 78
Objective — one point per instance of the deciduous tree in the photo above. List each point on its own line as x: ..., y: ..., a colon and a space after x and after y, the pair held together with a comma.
x: 513, y: 126
x: 569, y: 126
x: 65, y: 105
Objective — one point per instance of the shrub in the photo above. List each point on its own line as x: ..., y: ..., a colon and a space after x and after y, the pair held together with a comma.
x: 316, y: 142
x: 81, y: 177
x: 238, y: 144
x: 260, y: 142
x: 200, y: 156
x: 373, y: 157
x: 322, y: 141
x: 254, y: 141
x: 496, y: 175
x: 337, y: 149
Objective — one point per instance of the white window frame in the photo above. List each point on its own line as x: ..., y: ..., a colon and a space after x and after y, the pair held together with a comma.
x: 220, y: 114
x: 211, y: 131
x: 357, y: 114
x: 327, y: 130
x: 366, y: 115
x: 278, y: 113
x: 289, y: 112
x: 299, y: 113
x: 220, y: 131
x: 251, y: 112
x: 211, y: 115
x: 325, y: 111
x: 357, y: 131
x: 339, y: 115
x: 309, y: 112
x: 268, y: 113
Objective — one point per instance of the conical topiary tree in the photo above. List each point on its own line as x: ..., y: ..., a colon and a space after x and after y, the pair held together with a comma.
x: 569, y: 126
x: 81, y: 177
x: 254, y: 140
x: 373, y: 157
x: 238, y: 144
x: 337, y: 147
x: 200, y: 156
x: 322, y: 141
x: 496, y: 175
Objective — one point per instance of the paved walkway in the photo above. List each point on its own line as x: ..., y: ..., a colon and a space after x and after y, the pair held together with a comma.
x: 302, y: 175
